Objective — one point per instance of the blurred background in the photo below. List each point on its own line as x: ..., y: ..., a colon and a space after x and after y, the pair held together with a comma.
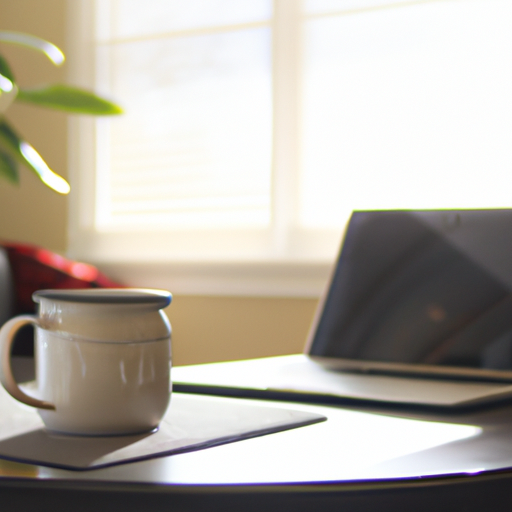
x: 205, y: 327
x: 251, y: 131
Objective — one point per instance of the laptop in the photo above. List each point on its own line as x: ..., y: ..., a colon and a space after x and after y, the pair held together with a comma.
x: 418, y: 311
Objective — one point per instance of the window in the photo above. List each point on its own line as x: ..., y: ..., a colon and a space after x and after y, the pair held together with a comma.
x: 253, y: 128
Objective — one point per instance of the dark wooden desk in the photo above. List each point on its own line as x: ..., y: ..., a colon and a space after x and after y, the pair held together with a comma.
x: 360, y: 459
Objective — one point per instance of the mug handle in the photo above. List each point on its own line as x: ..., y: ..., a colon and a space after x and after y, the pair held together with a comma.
x: 7, y: 333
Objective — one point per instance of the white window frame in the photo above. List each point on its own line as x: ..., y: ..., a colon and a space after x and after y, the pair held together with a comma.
x: 280, y: 261
x: 283, y: 260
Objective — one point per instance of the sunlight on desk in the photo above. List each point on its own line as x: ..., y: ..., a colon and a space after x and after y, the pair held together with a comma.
x: 350, y: 445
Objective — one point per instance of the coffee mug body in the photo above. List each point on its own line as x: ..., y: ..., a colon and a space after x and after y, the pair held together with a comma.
x: 103, y: 360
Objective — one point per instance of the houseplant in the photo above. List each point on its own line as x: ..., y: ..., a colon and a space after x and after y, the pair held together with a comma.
x: 14, y: 150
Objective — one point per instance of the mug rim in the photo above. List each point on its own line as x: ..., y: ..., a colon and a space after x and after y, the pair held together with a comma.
x: 160, y: 298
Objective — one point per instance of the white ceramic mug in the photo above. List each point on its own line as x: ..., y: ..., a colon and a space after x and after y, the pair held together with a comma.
x: 103, y: 359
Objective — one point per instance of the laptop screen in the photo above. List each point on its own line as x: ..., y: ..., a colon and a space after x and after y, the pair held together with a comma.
x: 423, y: 287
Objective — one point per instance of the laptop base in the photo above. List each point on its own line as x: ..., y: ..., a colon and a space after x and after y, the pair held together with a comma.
x: 297, y: 377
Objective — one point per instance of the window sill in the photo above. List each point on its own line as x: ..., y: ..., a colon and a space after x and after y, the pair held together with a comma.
x: 281, y: 279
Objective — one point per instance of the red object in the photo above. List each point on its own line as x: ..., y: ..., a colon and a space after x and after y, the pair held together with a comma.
x: 34, y: 268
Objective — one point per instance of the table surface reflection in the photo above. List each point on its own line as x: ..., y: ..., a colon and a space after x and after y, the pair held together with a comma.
x: 356, y: 448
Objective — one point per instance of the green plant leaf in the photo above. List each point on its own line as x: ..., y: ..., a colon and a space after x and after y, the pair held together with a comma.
x: 35, y: 43
x: 9, y: 140
x: 23, y: 152
x: 8, y: 168
x: 70, y: 99
x: 8, y: 92
x: 5, y: 69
